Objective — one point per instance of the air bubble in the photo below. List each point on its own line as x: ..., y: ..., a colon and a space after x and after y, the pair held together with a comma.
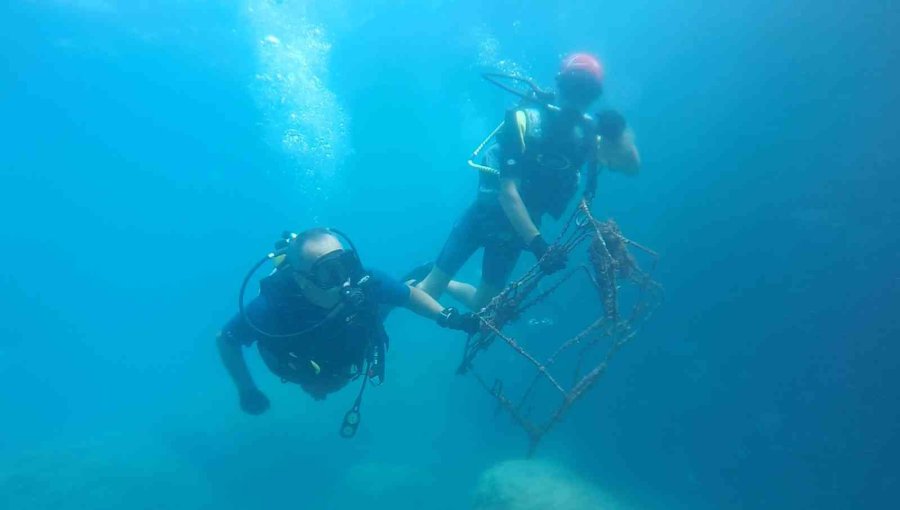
x: 299, y: 110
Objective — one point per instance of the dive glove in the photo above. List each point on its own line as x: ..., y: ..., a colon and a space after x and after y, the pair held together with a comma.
x: 451, y: 318
x: 550, y: 258
x: 254, y: 401
x: 610, y: 125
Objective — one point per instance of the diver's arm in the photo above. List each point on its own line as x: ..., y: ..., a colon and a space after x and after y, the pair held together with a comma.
x: 620, y: 155
x: 233, y: 360
x: 551, y: 259
x: 515, y: 209
x: 421, y: 303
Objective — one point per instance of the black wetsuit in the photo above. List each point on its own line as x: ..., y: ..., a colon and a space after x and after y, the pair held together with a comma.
x: 326, y: 358
x: 556, y: 146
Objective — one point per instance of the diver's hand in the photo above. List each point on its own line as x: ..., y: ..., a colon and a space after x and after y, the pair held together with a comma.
x: 610, y: 125
x: 552, y: 259
x: 451, y: 318
x: 254, y: 401
x: 538, y: 246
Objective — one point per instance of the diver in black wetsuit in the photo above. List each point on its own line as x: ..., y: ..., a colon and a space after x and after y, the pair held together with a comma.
x: 318, y: 319
x: 533, y: 169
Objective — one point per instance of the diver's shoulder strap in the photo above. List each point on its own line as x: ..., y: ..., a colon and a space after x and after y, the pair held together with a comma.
x: 521, y: 119
x: 533, y: 126
x: 521, y: 127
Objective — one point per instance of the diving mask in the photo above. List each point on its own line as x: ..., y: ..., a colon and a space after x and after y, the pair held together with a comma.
x: 332, y: 270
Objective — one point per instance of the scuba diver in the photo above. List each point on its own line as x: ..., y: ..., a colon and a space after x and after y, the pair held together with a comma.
x: 318, y: 320
x: 532, y: 168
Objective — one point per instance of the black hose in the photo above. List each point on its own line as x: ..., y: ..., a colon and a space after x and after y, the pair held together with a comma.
x: 537, y: 94
x: 246, y: 317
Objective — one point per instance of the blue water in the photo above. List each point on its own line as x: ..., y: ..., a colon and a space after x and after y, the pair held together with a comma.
x: 149, y: 156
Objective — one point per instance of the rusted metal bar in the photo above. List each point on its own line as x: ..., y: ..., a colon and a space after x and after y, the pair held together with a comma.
x: 611, y: 265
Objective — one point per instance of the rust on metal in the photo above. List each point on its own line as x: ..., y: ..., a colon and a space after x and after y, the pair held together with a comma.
x: 610, y: 268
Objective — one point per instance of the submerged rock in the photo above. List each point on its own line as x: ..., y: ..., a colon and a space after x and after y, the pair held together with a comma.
x: 403, y: 486
x: 102, y: 475
x: 535, y: 485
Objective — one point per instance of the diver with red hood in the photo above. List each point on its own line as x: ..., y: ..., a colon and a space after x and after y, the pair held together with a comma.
x: 532, y: 168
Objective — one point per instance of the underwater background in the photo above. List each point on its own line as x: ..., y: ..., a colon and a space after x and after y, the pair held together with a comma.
x: 152, y: 151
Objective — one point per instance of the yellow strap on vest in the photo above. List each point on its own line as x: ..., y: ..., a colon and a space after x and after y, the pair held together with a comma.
x: 522, y: 125
x: 277, y: 261
x: 522, y: 128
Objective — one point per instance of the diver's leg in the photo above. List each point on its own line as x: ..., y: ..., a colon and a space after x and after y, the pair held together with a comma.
x: 462, y: 292
x: 499, y: 261
x: 435, y: 283
x: 417, y: 274
x: 485, y: 293
x: 460, y: 245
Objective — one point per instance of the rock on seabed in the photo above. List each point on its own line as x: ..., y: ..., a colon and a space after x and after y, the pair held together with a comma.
x: 103, y: 474
x: 536, y: 485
